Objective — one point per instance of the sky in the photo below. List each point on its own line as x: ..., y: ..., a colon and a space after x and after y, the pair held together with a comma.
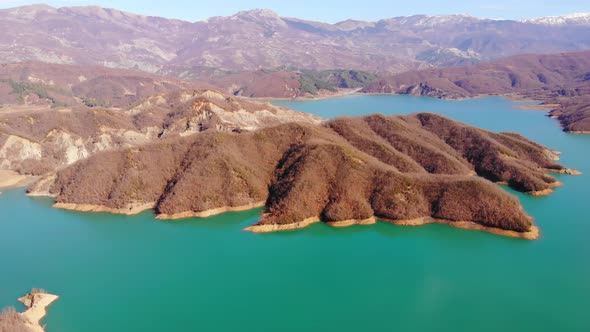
x: 332, y: 10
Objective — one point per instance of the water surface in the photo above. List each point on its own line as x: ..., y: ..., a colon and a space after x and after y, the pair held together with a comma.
x: 118, y: 273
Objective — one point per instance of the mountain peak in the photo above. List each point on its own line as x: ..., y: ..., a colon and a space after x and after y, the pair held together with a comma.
x: 266, y: 17
x: 260, y: 12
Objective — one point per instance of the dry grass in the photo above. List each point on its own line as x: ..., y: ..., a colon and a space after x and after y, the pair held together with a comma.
x: 12, y: 321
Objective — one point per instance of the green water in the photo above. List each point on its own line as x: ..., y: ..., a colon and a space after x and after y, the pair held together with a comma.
x: 118, y: 273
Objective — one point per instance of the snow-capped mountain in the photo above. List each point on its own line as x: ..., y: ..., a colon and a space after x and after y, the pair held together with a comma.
x: 438, y: 20
x: 574, y: 19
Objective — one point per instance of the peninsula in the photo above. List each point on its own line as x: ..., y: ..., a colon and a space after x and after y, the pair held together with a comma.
x: 408, y: 170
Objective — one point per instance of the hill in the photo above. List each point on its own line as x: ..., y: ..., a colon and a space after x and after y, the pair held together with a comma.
x: 280, y: 83
x: 54, y: 85
x: 417, y: 168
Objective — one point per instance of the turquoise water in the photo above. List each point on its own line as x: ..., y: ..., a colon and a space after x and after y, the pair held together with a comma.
x: 117, y: 273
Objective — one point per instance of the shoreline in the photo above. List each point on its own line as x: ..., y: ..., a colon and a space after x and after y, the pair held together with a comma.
x: 537, y: 107
x: 352, y: 222
x: 338, y: 94
x: 511, y: 97
x: 533, y: 234
x: 37, y: 304
x: 271, y: 228
x: 546, y: 192
x: 139, y: 207
x: 130, y: 210
x: 507, y: 96
x: 211, y: 212
x: 541, y: 193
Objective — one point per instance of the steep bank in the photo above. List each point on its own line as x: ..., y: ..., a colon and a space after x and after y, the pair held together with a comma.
x: 346, y: 171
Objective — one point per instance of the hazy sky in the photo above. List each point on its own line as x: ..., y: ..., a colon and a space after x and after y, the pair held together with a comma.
x: 334, y: 10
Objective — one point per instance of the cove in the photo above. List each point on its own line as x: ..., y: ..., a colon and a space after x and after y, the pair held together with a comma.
x: 118, y: 273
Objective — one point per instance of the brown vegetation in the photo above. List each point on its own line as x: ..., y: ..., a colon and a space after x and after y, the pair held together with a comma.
x: 12, y: 321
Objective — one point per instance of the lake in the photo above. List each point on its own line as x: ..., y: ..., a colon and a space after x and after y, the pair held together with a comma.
x: 119, y: 273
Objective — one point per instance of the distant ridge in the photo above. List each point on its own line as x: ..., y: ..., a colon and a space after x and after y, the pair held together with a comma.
x: 262, y: 39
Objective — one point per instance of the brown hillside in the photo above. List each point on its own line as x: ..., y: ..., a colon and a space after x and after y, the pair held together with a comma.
x: 38, y: 141
x: 518, y: 74
x: 36, y: 83
x: 574, y: 114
